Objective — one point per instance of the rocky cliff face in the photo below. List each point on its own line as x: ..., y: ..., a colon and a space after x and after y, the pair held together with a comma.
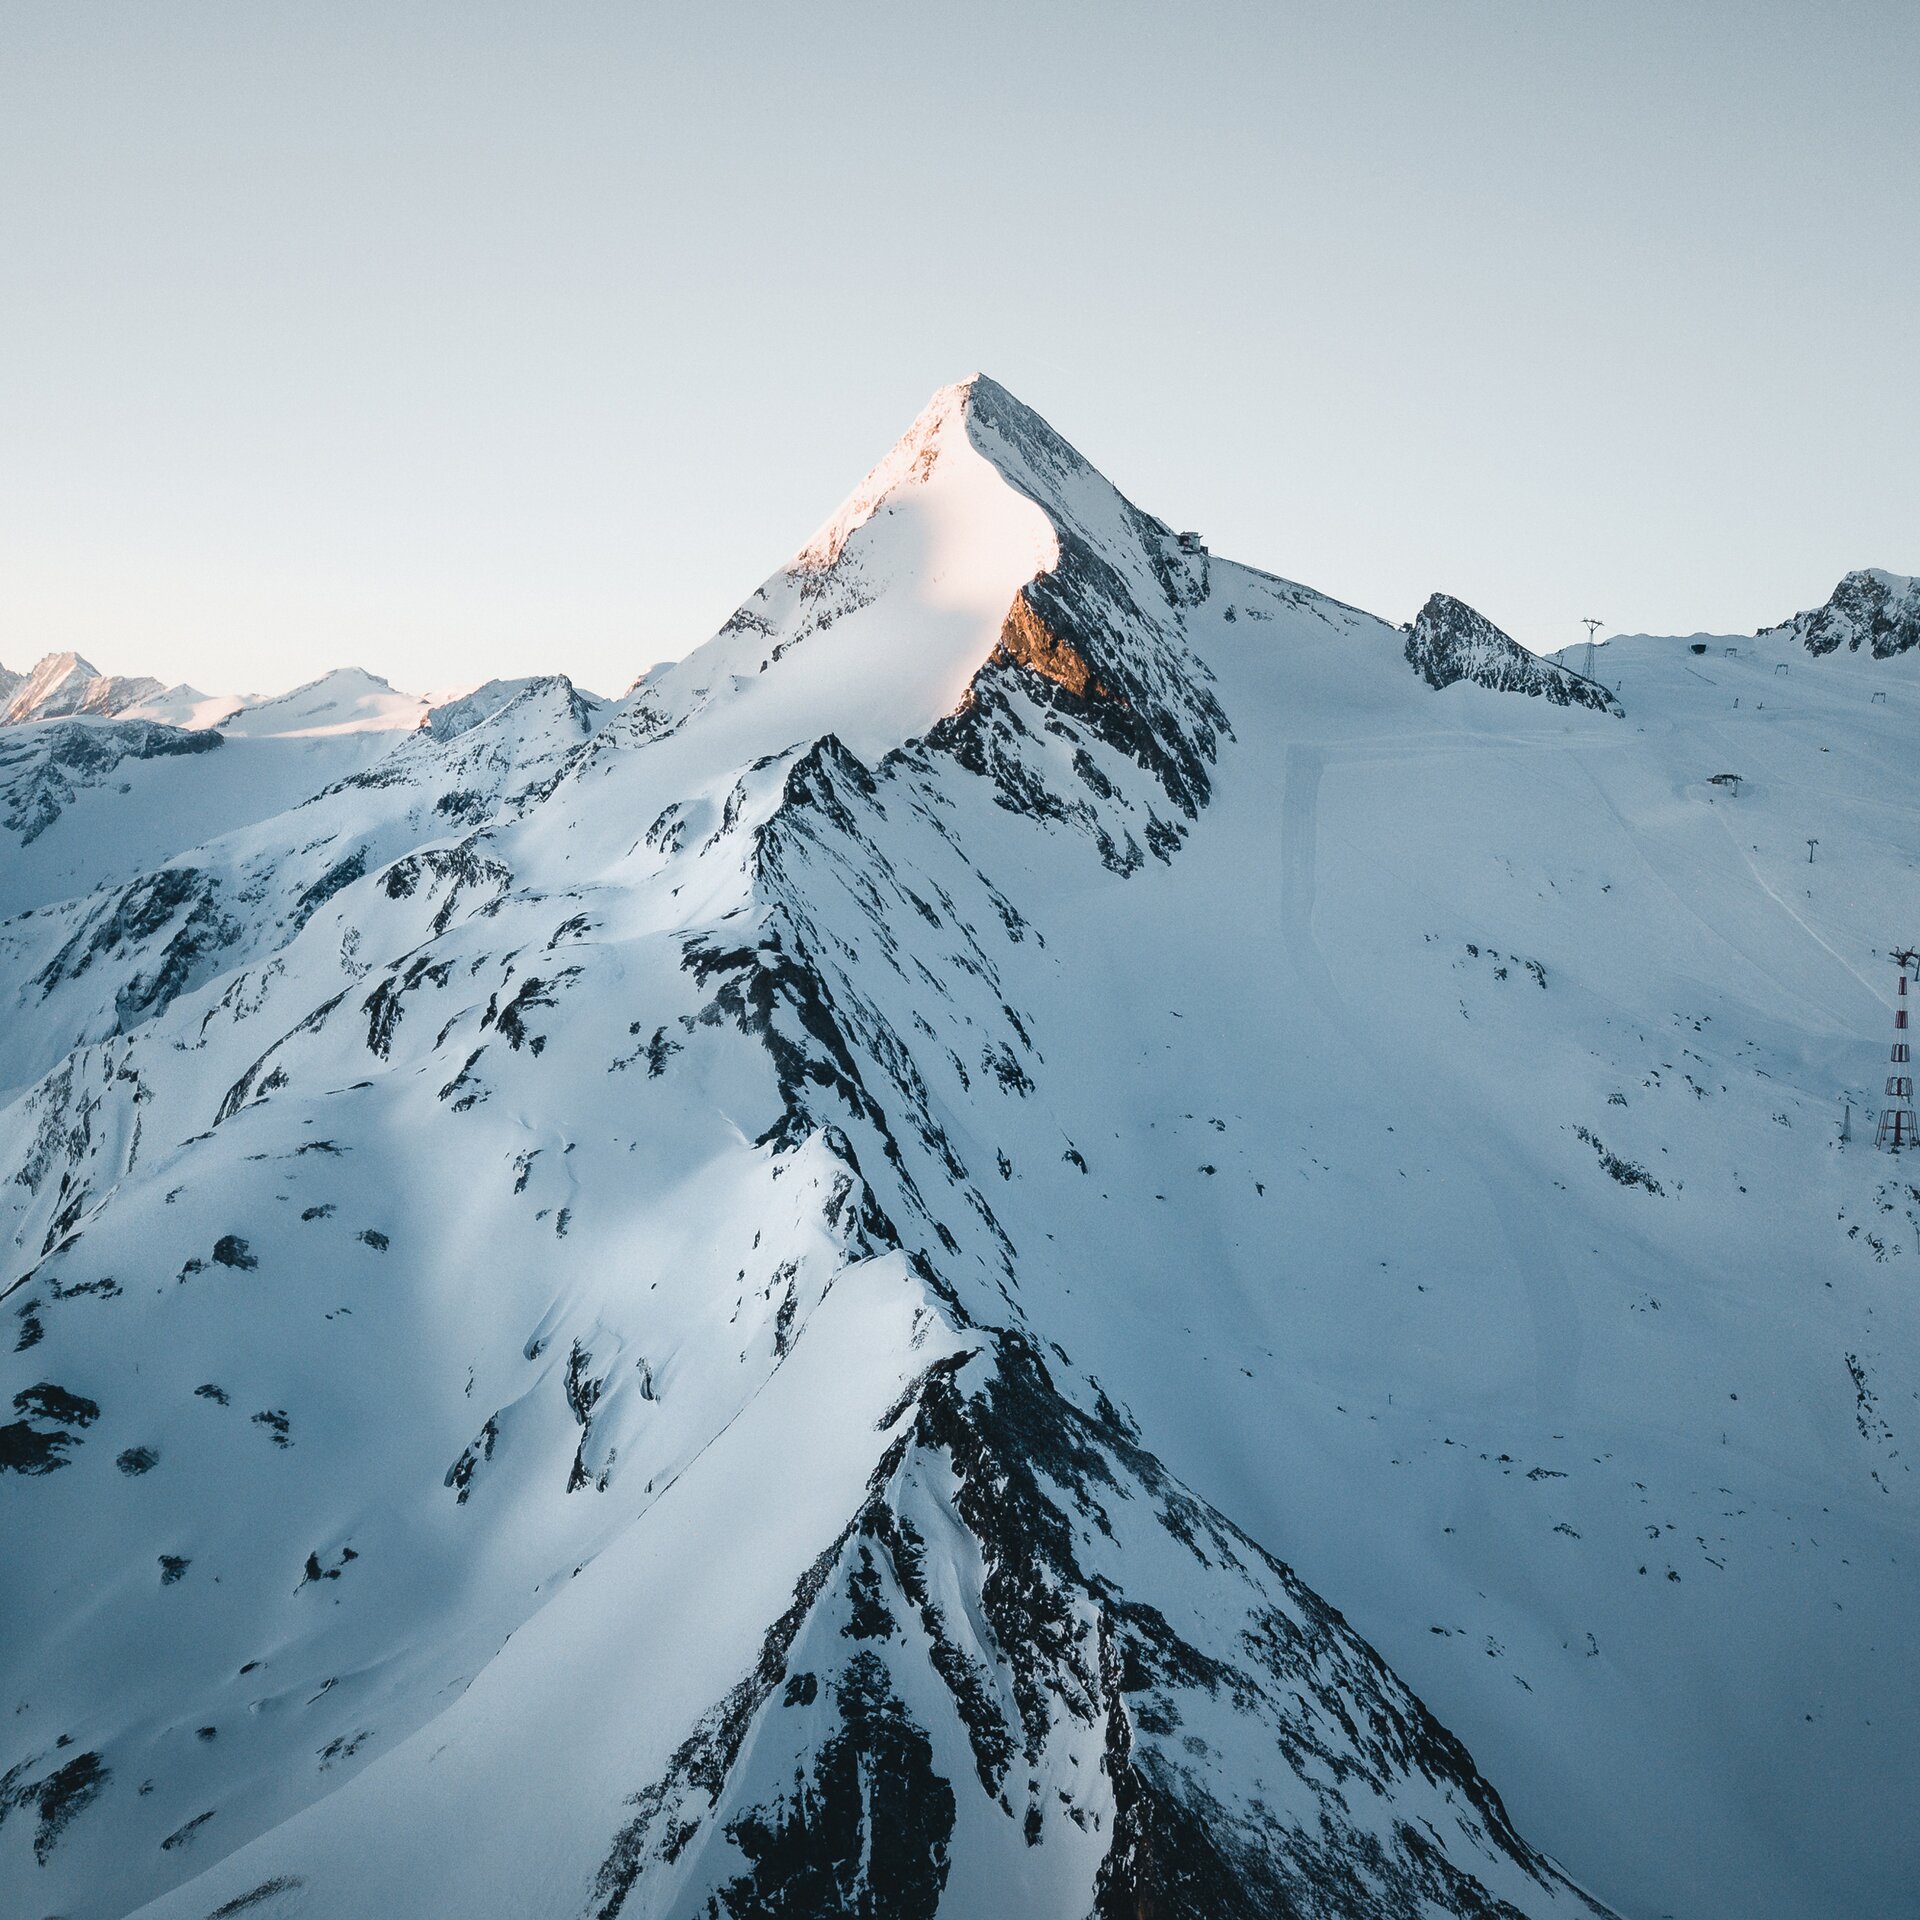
x: 43, y: 768
x: 1449, y: 642
x: 63, y: 684
x: 1869, y: 611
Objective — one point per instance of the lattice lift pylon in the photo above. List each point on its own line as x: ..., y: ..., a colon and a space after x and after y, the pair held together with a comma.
x: 1896, y: 1130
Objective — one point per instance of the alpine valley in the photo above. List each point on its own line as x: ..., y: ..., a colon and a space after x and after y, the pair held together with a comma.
x: 1059, y: 1231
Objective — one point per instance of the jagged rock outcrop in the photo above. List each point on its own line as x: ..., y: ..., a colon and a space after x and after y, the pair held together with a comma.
x: 1077, y: 1688
x: 63, y: 684
x: 1026, y: 639
x: 1449, y: 641
x: 1869, y: 611
x: 41, y: 769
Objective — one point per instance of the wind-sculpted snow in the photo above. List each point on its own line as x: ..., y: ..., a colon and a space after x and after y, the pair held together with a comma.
x: 1450, y: 642
x: 749, y: 1306
x: 1877, y: 611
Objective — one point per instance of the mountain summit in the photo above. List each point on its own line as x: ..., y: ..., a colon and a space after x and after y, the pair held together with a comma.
x: 62, y: 684
x: 950, y: 1262
x: 1871, y: 609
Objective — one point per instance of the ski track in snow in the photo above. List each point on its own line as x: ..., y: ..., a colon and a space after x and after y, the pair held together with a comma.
x: 1550, y: 1300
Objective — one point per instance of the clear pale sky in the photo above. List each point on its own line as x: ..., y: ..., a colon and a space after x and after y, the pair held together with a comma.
x: 455, y: 340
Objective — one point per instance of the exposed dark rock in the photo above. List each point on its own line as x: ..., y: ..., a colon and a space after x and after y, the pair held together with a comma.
x: 865, y: 1832
x: 59, y: 1797
x: 42, y: 769
x: 460, y: 1474
x: 24, y: 1449
x: 1627, y: 1172
x: 45, y: 1401
x: 1877, y: 611
x: 511, y: 1018
x: 1449, y: 642
x: 133, y: 917
x: 256, y: 1896
x: 30, y: 1449
x: 182, y: 1836
x: 341, y: 875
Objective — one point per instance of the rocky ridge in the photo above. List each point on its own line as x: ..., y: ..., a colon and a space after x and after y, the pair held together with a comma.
x: 60, y: 685
x: 1449, y: 642
x: 1869, y: 610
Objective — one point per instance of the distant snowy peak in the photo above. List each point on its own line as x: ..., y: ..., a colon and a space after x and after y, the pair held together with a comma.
x: 1449, y: 642
x: 63, y: 684
x: 1869, y: 610
x: 494, y: 750
x: 450, y: 718
x: 185, y: 706
x: 347, y: 700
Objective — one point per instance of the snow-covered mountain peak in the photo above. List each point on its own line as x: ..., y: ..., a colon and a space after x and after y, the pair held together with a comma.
x: 450, y: 718
x: 655, y: 1255
x: 63, y: 684
x: 347, y: 700
x: 985, y: 590
x: 874, y: 628
x: 52, y: 676
x: 1450, y: 641
x: 976, y: 415
x: 938, y: 428
x: 1870, y: 610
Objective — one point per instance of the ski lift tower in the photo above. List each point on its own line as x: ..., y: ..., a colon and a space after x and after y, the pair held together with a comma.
x: 1592, y: 627
x: 1897, y: 1121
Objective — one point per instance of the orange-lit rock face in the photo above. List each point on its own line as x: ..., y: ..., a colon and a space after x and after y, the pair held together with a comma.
x: 1028, y: 639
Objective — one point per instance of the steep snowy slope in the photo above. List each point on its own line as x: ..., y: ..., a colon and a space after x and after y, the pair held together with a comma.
x: 712, y: 1326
